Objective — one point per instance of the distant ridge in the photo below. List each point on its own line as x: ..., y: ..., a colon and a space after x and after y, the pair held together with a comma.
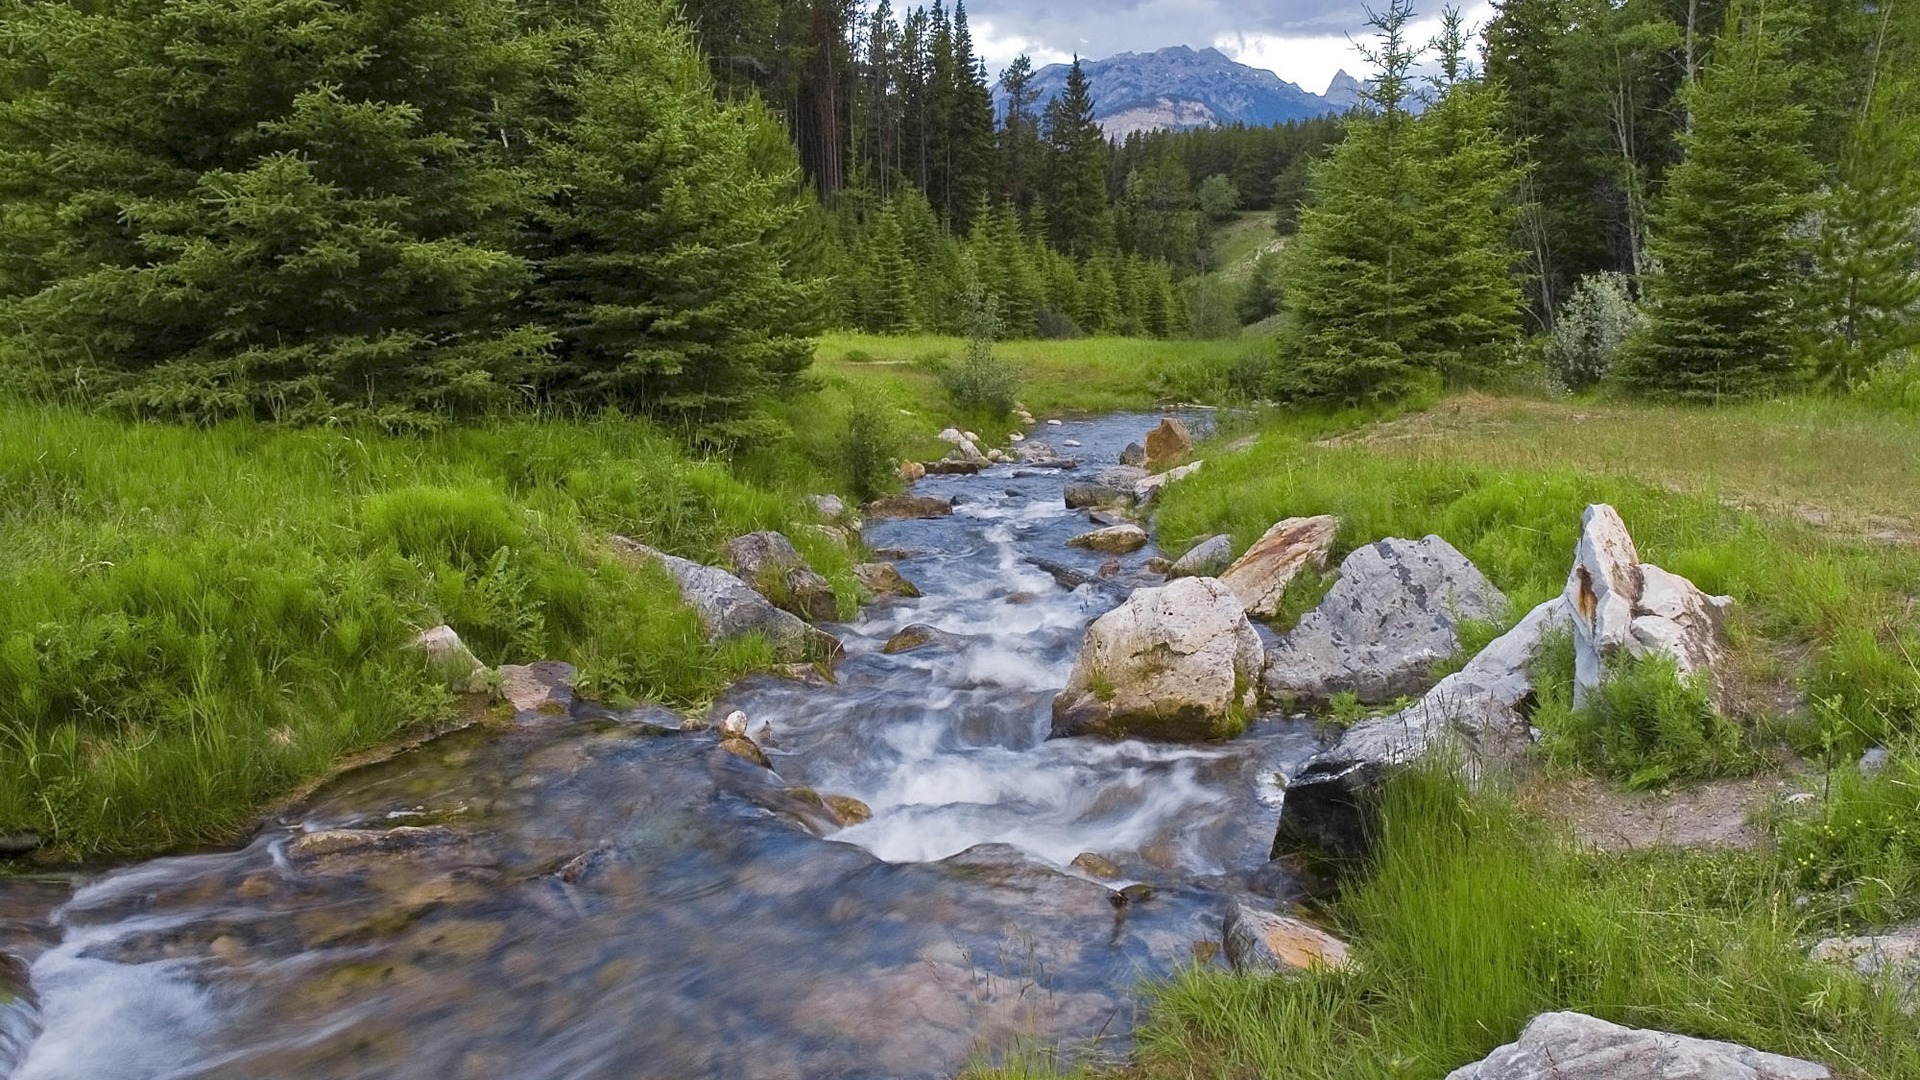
x: 1181, y: 88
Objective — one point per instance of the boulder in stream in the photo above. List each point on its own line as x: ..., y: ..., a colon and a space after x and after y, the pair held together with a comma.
x: 920, y: 636
x: 1575, y: 1046
x: 1261, y: 576
x: 908, y: 507
x: 728, y: 608
x: 1168, y: 443
x: 769, y: 562
x: 1094, y: 495
x: 1175, y: 662
x: 1208, y: 558
x: 1112, y: 540
x: 1394, y: 613
x: 883, y: 579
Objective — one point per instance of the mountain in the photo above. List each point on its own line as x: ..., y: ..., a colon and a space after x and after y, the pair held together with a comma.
x: 1183, y: 88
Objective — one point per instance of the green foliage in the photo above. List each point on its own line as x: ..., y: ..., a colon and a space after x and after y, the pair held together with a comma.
x: 194, y: 621
x: 1217, y: 197
x: 1591, y: 330
x: 868, y: 448
x: 1261, y: 296
x: 981, y: 382
x: 1862, y: 843
x: 1646, y: 726
x: 1075, y: 198
x: 1720, y: 314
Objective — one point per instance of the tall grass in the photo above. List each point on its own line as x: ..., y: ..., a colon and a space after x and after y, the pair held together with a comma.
x: 192, y: 621
x: 1477, y: 918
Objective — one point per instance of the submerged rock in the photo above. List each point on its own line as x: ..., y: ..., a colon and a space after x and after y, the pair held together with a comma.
x: 1168, y: 443
x: 544, y: 687
x: 1208, y: 558
x: 1575, y: 1046
x: 1261, y: 576
x: 729, y: 609
x: 1097, y: 865
x: 847, y: 810
x: 1095, y: 495
x: 1114, y: 539
x: 904, y: 507
x: 1394, y: 613
x: 769, y: 563
x: 1328, y: 811
x: 1263, y: 942
x: 1175, y: 662
x: 321, y: 844
x: 920, y: 636
x: 882, y: 579
x: 747, y: 750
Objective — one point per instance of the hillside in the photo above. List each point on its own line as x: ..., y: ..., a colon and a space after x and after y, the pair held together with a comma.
x: 1182, y: 88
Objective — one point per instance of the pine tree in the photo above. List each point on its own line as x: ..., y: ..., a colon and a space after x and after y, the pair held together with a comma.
x: 1864, y: 295
x: 1721, y: 319
x: 1351, y: 276
x: 1076, y: 197
x: 261, y: 208
x: 891, y: 303
x: 1470, y: 303
x: 1020, y: 149
x: 658, y: 252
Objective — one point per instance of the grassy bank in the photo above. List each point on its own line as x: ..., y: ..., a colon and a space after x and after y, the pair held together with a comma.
x: 1478, y: 916
x: 193, y: 621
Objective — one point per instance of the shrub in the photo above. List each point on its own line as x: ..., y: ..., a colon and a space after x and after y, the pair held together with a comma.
x: 1592, y: 327
x: 868, y: 445
x: 1053, y: 324
x: 982, y: 382
x: 1646, y: 726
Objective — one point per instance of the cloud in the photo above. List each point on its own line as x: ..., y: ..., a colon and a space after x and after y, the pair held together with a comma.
x: 1305, y: 41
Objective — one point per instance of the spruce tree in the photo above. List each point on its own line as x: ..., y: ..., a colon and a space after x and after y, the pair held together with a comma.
x: 1351, y: 279
x: 1076, y: 197
x: 658, y: 252
x: 266, y: 208
x: 1721, y: 319
x: 1864, y: 295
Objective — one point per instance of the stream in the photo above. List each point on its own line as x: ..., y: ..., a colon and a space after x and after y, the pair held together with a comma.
x: 601, y: 895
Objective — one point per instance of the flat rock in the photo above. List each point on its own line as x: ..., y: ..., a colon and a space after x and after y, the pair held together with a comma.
x: 1393, y: 614
x: 730, y: 609
x: 1208, y: 558
x: 921, y: 636
x: 1168, y: 442
x: 774, y: 568
x: 1261, y: 576
x: 1892, y: 955
x: 544, y: 687
x: 883, y: 579
x: 1575, y: 1046
x: 1148, y: 489
x: 1113, y: 540
x: 1328, y: 811
x: 1260, y: 941
x: 1090, y: 496
x: 1174, y: 662
x: 320, y: 844
x: 906, y: 507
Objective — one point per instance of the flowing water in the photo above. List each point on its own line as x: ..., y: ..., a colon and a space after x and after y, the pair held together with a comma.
x: 600, y: 895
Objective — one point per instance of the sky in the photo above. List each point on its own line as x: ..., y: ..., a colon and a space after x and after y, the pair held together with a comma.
x: 1304, y: 41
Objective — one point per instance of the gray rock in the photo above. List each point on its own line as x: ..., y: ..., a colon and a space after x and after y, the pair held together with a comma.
x: 1260, y: 941
x: 768, y: 562
x: 1090, y: 496
x: 1113, y: 540
x: 729, y: 609
x: 1328, y: 810
x: 1394, y: 613
x: 1134, y: 454
x: 15, y: 845
x: 1602, y: 589
x: 1205, y: 559
x: 1892, y: 956
x: 921, y: 636
x: 1873, y: 761
x: 464, y: 672
x: 1574, y: 1046
x: 1149, y: 489
x: 1123, y: 477
x: 829, y: 506
x: 1174, y: 662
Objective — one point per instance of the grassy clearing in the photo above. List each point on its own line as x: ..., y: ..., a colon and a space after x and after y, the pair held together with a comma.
x: 1238, y: 242
x: 193, y: 621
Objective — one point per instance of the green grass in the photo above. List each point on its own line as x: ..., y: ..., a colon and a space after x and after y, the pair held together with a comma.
x: 1238, y: 242
x: 1477, y: 918
x: 193, y: 621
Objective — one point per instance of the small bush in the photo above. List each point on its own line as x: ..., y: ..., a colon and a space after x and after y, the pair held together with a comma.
x: 1646, y: 726
x: 868, y: 446
x: 1591, y: 329
x: 1054, y: 325
x: 981, y: 382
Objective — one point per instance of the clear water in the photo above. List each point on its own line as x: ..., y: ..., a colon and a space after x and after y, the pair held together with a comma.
x: 715, y: 927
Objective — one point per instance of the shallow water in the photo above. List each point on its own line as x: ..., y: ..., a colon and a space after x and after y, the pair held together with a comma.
x: 611, y: 898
